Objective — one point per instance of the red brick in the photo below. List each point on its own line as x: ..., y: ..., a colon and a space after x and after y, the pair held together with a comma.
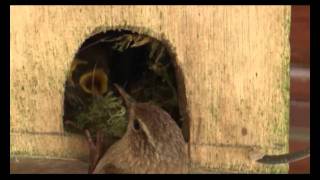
x: 300, y: 114
x: 300, y: 84
x: 302, y: 166
x: 300, y: 35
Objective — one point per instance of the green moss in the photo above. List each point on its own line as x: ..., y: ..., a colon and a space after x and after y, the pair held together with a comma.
x: 214, y: 113
x: 20, y: 153
x: 285, y: 88
x: 280, y: 123
x: 107, y: 114
x: 239, y: 168
x: 277, y: 169
x: 51, y: 154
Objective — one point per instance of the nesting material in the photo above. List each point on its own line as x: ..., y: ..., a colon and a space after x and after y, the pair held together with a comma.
x: 139, y: 63
x: 106, y: 114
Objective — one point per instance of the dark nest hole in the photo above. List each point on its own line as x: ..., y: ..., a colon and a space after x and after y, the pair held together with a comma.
x: 142, y: 65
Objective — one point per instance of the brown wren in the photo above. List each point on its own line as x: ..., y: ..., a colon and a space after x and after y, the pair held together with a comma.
x: 152, y: 143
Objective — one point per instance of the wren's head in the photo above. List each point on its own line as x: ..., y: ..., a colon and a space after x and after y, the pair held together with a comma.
x: 151, y: 127
x: 152, y: 143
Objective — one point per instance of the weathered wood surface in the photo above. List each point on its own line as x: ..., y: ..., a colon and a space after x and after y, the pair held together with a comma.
x: 25, y: 165
x: 235, y: 60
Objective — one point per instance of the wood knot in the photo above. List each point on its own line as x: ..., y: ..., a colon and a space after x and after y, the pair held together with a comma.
x: 244, y: 131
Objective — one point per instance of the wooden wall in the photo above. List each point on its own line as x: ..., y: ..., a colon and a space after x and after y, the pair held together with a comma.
x: 235, y: 61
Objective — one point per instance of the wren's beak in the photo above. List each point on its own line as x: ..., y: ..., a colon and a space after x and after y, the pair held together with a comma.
x: 128, y: 100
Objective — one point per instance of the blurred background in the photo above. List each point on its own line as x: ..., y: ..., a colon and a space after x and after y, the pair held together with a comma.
x: 300, y: 85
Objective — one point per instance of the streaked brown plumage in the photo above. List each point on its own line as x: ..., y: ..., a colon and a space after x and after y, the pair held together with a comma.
x: 153, y: 143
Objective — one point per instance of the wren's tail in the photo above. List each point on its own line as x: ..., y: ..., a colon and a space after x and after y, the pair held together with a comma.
x: 285, y: 158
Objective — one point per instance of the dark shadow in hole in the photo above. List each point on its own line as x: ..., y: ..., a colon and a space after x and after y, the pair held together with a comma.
x: 144, y: 66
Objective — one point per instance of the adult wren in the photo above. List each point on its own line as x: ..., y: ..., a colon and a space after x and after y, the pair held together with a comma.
x: 152, y: 143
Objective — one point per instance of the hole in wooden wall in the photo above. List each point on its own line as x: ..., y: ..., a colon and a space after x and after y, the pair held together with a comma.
x: 142, y: 65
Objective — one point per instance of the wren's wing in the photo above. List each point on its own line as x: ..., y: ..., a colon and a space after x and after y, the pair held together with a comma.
x: 110, y: 169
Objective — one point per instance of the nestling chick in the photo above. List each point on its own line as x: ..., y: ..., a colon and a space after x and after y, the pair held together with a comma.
x: 153, y: 143
x: 94, y: 82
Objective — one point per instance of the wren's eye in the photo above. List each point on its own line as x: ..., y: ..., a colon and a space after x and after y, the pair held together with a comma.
x: 136, y: 125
